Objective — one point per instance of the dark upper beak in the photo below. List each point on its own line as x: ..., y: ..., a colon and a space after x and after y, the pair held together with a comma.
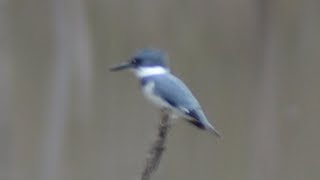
x: 122, y: 66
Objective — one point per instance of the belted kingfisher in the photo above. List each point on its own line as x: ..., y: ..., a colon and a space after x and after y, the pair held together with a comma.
x: 164, y: 89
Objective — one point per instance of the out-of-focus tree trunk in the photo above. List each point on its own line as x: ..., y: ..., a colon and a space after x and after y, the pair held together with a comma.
x: 71, y: 44
x: 57, y: 110
x: 5, y: 92
x: 302, y: 121
x: 264, y: 158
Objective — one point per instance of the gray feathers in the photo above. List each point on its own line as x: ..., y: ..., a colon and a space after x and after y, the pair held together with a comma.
x: 178, y: 96
x: 164, y: 89
x: 175, y: 92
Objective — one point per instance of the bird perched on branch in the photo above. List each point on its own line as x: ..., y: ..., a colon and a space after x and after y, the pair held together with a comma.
x: 164, y: 89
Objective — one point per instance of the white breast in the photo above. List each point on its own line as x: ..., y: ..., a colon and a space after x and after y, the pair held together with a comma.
x: 148, y: 91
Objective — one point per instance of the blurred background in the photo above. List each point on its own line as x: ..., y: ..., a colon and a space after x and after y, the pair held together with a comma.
x: 253, y: 65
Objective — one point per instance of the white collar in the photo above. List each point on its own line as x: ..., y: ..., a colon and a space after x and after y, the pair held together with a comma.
x: 150, y: 71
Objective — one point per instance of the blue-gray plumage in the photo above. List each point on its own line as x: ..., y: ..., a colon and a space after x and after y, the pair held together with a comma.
x: 164, y: 89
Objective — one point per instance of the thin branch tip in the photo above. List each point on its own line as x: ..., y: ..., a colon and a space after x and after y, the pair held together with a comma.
x: 157, y: 148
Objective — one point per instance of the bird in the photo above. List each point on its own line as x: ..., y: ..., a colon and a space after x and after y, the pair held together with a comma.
x: 164, y: 89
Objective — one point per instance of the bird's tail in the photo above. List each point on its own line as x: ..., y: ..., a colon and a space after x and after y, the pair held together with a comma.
x: 207, y: 126
x: 201, y: 122
x: 212, y: 130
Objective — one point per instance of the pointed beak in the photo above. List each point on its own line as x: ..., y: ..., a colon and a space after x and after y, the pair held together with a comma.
x: 122, y: 66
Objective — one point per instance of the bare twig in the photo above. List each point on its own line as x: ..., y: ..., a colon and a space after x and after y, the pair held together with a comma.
x: 157, y: 149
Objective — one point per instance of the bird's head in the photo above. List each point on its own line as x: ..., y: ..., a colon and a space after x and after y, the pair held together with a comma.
x: 145, y: 62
